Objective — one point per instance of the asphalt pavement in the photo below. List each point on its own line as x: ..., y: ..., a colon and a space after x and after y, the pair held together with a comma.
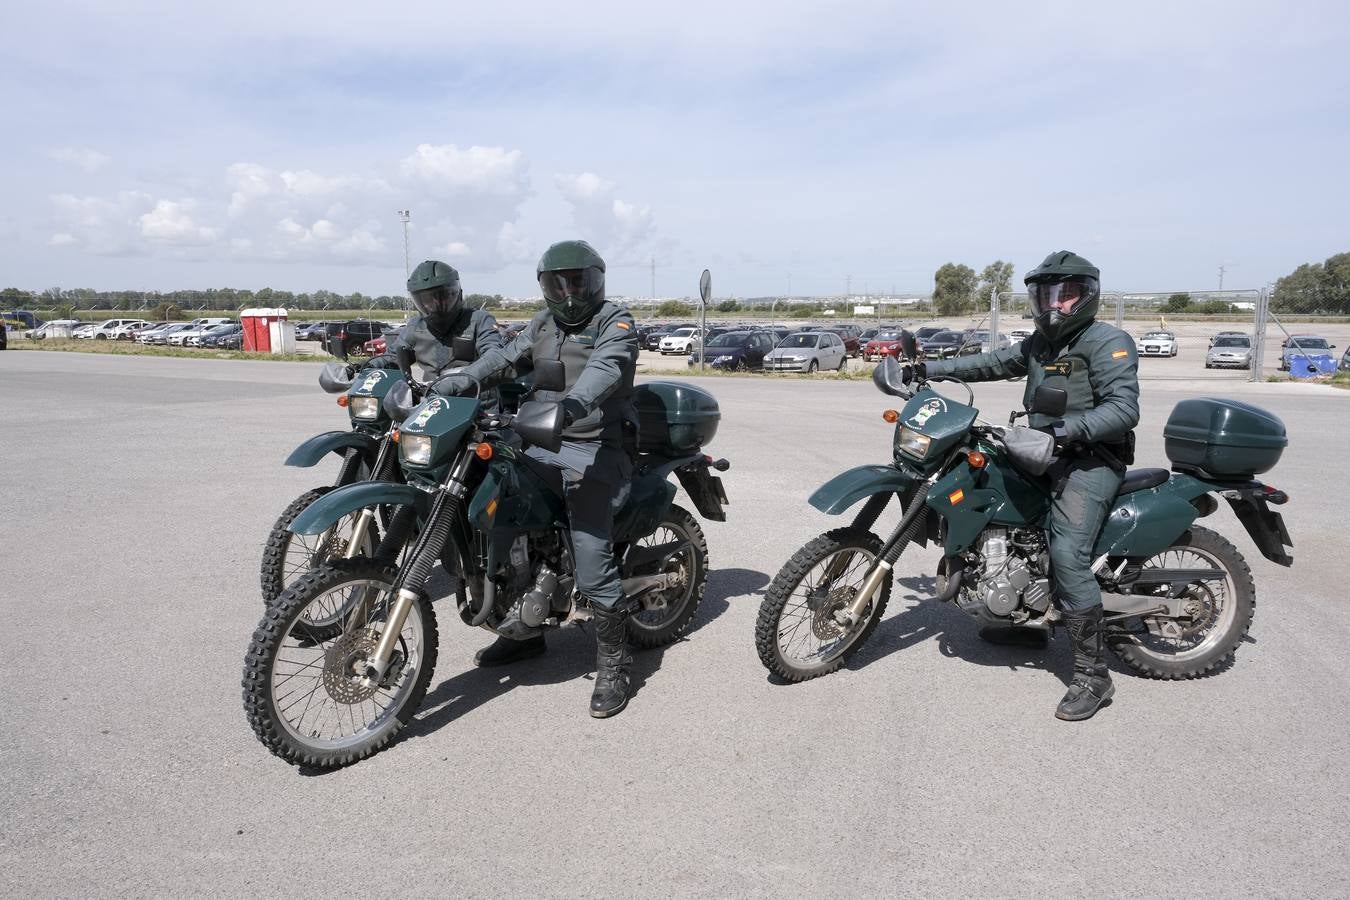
x: 136, y: 497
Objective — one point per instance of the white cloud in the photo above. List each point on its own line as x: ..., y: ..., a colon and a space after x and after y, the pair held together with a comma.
x: 477, y: 170
x: 170, y: 222
x: 457, y: 249
x: 617, y: 227
x: 61, y: 239
x: 81, y: 157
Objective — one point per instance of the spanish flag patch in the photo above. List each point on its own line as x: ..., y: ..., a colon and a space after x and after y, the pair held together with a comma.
x: 1120, y: 354
x: 624, y: 325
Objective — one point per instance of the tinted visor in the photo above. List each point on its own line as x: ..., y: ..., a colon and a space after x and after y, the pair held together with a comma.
x: 580, y: 283
x: 436, y: 301
x: 1064, y: 296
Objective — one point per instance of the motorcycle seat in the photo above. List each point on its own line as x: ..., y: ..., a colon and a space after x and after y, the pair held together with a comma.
x: 1142, y: 479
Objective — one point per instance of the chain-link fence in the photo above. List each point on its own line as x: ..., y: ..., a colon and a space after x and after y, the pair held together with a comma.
x: 1180, y: 334
x: 1306, y: 333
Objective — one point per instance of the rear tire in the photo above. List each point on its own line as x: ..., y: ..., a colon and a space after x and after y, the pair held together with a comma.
x: 659, y: 627
x: 1146, y: 652
x: 858, y: 550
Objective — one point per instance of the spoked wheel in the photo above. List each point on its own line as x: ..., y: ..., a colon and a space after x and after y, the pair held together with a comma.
x: 798, y: 633
x: 665, y: 614
x: 305, y: 694
x: 287, y: 555
x: 1216, y: 612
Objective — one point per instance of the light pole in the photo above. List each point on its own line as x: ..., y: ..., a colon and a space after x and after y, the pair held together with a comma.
x: 405, y: 216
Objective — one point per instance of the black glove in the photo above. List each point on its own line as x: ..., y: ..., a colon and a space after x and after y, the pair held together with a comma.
x: 1057, y: 431
x: 352, y: 369
x: 572, y: 410
x: 454, y: 386
x: 916, y: 372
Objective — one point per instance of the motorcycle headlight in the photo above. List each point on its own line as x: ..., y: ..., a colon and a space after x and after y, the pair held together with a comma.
x: 364, y: 408
x: 415, y: 449
x: 913, y: 443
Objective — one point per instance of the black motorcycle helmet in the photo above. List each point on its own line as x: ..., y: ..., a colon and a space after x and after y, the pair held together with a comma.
x: 1065, y: 293
x: 572, y: 279
x: 436, y: 293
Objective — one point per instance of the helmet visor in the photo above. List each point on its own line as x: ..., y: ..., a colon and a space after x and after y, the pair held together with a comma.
x: 437, y: 301
x: 1061, y: 296
x: 579, y: 283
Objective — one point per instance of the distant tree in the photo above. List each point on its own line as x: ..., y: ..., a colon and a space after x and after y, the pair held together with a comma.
x: 64, y: 311
x: 802, y: 311
x: 167, y: 312
x: 953, y: 289
x: 1177, y: 303
x: 674, y: 308
x: 997, y: 276
x: 1316, y: 288
x: 727, y: 306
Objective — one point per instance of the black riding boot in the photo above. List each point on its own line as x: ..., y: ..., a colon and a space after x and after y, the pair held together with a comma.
x: 504, y: 650
x: 1091, y: 686
x: 611, y: 661
x: 1012, y: 636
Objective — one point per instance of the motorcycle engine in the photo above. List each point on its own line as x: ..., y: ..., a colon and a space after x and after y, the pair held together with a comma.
x: 1008, y: 579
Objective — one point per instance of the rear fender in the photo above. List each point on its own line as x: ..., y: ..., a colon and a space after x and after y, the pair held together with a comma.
x: 329, y: 509
x: 1147, y: 522
x: 312, y: 451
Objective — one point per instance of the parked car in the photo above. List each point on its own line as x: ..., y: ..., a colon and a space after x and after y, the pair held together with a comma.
x: 986, y: 340
x: 1303, y: 345
x: 947, y: 344
x: 681, y: 340
x: 344, y: 338
x: 161, y: 335
x: 807, y: 351
x: 107, y: 328
x: 1345, y: 360
x: 661, y: 331
x: 736, y: 350
x: 375, y: 346
x: 849, y: 335
x: 1158, y: 343
x: 218, y: 334
x: 234, y: 341
x: 127, y: 332
x: 780, y: 333
x: 1229, y: 351
x: 190, y: 337
x: 886, y: 343
x: 84, y: 332
x: 310, y: 331
x: 1225, y: 334
x: 46, y: 328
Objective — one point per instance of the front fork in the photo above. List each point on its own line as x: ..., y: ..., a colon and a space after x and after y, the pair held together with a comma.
x: 916, y: 510
x: 440, y: 520
x: 368, y: 514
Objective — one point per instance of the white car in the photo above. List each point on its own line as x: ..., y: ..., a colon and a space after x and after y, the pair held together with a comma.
x: 1158, y: 343
x: 127, y: 332
x: 197, y: 327
x: 149, y: 335
x: 107, y: 328
x: 807, y: 351
x: 84, y: 332
x: 681, y: 340
x: 46, y: 328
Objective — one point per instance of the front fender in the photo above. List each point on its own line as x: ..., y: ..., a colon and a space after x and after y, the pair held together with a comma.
x: 847, y: 488
x: 316, y: 448
x: 323, y: 513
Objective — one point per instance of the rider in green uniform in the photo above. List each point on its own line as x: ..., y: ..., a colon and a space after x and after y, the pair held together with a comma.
x: 1097, y: 365
x: 596, y: 343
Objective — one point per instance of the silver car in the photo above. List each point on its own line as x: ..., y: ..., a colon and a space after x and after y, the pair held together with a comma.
x: 807, y: 351
x: 1233, y: 350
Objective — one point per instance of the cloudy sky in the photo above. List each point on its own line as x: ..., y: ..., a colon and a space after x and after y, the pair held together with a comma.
x: 252, y: 144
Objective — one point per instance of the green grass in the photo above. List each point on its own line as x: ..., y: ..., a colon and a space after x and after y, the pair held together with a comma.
x: 130, y: 348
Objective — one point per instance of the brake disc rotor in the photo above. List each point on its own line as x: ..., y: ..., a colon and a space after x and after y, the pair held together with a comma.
x: 824, y: 625
x: 344, y: 665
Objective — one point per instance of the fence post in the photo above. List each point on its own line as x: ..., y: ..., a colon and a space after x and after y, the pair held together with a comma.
x: 1120, y: 311
x: 1259, y: 337
x: 993, y: 319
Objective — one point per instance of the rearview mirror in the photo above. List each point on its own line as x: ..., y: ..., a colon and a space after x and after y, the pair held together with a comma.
x: 333, y: 378
x: 908, y: 346
x: 406, y: 358
x: 549, y: 375
x: 1050, y: 401
x: 399, y: 402
x: 540, y: 422
x: 886, y: 377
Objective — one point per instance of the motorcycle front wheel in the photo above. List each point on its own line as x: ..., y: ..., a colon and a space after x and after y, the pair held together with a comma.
x: 666, y: 614
x: 797, y: 634
x: 304, y: 691
x: 1218, y: 613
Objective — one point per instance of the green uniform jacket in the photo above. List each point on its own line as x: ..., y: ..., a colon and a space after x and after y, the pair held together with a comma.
x: 599, y: 358
x: 473, y: 334
x: 1098, y: 367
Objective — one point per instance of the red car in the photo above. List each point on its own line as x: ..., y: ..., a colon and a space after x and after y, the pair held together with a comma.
x: 886, y: 343
x: 374, y: 347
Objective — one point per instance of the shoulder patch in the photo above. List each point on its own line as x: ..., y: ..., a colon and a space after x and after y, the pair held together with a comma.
x: 624, y: 325
x: 1120, y: 354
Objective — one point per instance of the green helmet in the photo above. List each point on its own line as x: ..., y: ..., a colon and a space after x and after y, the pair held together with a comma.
x: 1065, y: 292
x: 436, y: 293
x: 572, y: 277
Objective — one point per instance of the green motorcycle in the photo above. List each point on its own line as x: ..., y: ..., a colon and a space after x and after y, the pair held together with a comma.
x: 328, y: 697
x: 1178, y: 597
x: 367, y: 452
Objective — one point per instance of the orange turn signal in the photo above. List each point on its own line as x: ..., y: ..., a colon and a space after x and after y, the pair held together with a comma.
x: 483, y: 451
x: 342, y: 400
x: 977, y: 460
x: 393, y: 435
x: 891, y: 416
